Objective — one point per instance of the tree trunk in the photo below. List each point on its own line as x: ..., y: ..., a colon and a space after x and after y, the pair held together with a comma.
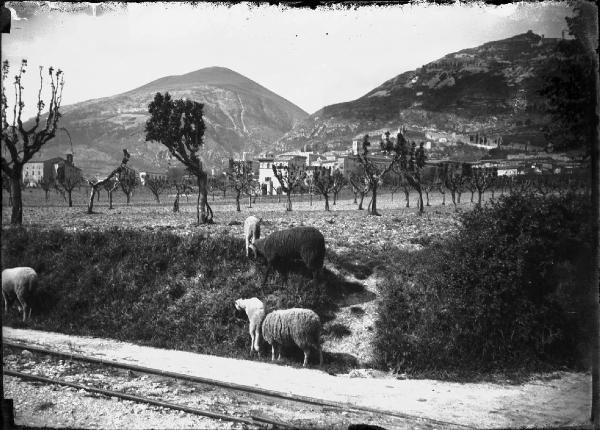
x: 176, y: 203
x: 362, y: 197
x: 69, y: 192
x: 407, y: 198
x: 355, y: 193
x: 16, y: 217
x: 203, y: 211
x: 289, y: 201
x: 479, y: 196
x: 311, y: 199
x: 93, y: 191
x: 453, y: 194
x: 334, y: 198
x: 373, y: 204
x: 110, y: 206
x: 46, y: 194
x: 427, y: 197
x: 472, y: 196
x: 421, y: 208
x: 458, y: 195
x: 326, y: 201
x: 237, y: 202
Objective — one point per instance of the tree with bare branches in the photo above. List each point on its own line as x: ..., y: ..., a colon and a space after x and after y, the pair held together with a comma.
x: 481, y: 179
x: 360, y: 185
x: 21, y: 142
x: 324, y: 182
x: 95, y: 184
x: 110, y: 186
x: 46, y: 184
x: 394, y: 154
x: 157, y: 186
x: 128, y: 182
x: 241, y: 179
x: 178, y: 125
x: 66, y: 181
x: 290, y: 177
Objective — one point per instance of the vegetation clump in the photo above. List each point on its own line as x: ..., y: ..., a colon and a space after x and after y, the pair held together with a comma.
x: 507, y: 291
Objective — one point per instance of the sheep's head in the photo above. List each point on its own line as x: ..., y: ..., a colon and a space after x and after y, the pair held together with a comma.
x: 239, y: 311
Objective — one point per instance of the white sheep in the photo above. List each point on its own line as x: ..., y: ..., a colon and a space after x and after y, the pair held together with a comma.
x: 19, y: 282
x: 255, y: 310
x: 251, y: 231
x: 296, y: 326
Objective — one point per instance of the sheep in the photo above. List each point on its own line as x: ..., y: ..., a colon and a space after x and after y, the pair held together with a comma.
x: 19, y: 282
x: 296, y: 326
x: 255, y: 310
x: 251, y: 231
x: 283, y: 246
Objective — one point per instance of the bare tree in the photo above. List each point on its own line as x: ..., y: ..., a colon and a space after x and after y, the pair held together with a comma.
x: 375, y: 170
x: 482, y: 179
x: 339, y: 182
x: 360, y: 185
x: 66, y: 182
x: 95, y: 184
x: 110, y: 186
x: 128, y: 181
x: 157, y: 186
x: 46, y: 184
x: 324, y: 182
x: 241, y: 179
x: 21, y: 142
x: 290, y: 177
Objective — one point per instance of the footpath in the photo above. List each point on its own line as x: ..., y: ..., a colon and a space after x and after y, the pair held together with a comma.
x: 557, y: 400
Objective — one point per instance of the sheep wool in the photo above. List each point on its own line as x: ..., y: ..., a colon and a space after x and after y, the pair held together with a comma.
x: 255, y: 310
x: 19, y: 282
x: 251, y: 231
x: 296, y: 326
x: 303, y: 242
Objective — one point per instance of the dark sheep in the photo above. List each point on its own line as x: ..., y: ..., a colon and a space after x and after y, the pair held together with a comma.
x: 281, y: 247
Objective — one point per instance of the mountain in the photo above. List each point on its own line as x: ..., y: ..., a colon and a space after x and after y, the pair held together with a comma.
x: 240, y: 116
x: 490, y: 90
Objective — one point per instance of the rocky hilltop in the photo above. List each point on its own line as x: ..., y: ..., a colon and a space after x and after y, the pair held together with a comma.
x: 239, y: 114
x: 490, y: 91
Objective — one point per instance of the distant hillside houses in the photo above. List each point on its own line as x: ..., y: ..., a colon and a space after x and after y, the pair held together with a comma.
x: 145, y: 176
x: 36, y: 172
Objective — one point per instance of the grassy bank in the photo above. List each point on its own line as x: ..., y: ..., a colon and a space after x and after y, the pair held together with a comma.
x: 152, y: 287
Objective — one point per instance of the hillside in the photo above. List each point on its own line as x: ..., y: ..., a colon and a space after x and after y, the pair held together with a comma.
x: 240, y: 115
x: 490, y: 89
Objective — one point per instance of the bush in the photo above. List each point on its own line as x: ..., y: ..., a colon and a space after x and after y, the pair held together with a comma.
x: 151, y: 287
x: 508, y: 290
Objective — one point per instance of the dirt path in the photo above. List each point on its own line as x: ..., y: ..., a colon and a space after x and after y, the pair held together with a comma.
x: 560, y: 400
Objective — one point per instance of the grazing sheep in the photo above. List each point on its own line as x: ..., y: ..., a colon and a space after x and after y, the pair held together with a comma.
x: 19, y: 282
x: 296, y: 326
x: 251, y: 231
x: 255, y: 310
x: 283, y: 246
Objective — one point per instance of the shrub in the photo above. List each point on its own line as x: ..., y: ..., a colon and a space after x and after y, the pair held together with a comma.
x: 152, y: 287
x: 508, y: 290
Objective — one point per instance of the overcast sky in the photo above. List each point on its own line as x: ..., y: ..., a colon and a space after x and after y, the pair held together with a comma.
x: 313, y: 58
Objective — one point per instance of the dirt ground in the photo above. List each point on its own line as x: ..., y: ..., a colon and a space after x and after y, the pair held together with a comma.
x: 558, y: 399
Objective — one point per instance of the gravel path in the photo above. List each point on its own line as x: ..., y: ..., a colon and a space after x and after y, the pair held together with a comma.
x: 559, y: 399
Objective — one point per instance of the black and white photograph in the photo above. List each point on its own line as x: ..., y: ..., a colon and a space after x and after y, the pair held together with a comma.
x: 287, y: 215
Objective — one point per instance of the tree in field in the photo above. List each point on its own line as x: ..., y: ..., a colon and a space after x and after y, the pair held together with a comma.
x: 241, y: 179
x: 178, y: 125
x: 96, y: 184
x: 339, y: 182
x: 218, y: 183
x: 324, y: 181
x: 454, y: 181
x: 409, y: 168
x: 128, y: 181
x: 46, y: 184
x: 290, y: 177
x: 19, y: 142
x: 360, y: 185
x: 66, y: 182
x: 375, y: 170
x: 157, y: 186
x: 481, y: 180
x: 110, y: 186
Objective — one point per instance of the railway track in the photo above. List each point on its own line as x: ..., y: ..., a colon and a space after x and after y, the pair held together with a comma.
x: 353, y: 413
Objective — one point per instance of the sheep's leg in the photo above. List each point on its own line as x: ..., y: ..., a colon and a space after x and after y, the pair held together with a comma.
x: 306, y: 355
x: 251, y: 343
x: 6, y: 302
x: 273, y: 352
x: 25, y: 309
x: 320, y: 356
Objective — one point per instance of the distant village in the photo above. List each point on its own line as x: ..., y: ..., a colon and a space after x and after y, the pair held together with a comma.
x: 536, y: 161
